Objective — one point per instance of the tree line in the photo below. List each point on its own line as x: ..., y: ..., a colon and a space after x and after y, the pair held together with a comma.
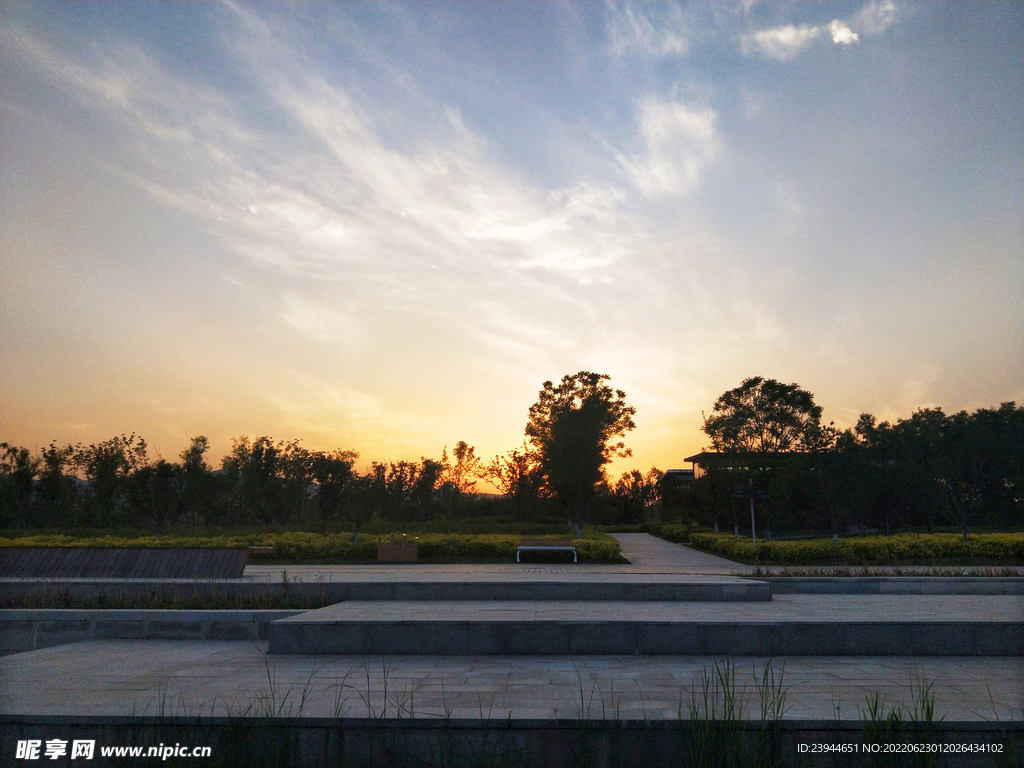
x: 930, y: 469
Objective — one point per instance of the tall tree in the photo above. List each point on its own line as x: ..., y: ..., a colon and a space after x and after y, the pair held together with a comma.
x: 58, y: 490
x: 107, y: 467
x: 458, y: 474
x: 154, y: 493
x: 332, y: 471
x: 197, y: 480
x: 517, y: 475
x: 571, y: 427
x: 764, y: 416
x: 252, y: 470
x: 18, y: 469
x: 634, y: 493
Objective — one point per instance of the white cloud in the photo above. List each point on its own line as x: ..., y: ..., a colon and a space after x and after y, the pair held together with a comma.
x: 875, y: 17
x: 679, y: 143
x: 780, y: 43
x: 653, y: 30
x: 842, y: 34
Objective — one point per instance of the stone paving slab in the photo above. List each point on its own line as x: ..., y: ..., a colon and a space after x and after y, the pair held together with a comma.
x: 853, y: 625
x: 806, y: 608
x: 125, y: 677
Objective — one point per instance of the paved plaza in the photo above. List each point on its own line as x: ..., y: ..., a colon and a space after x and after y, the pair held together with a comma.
x: 190, y: 677
x: 134, y: 677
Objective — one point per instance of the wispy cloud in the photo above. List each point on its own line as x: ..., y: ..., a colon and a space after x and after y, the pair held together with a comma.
x: 333, y: 208
x: 875, y: 17
x: 657, y: 30
x: 322, y: 323
x: 780, y: 43
x: 679, y: 142
x: 364, y: 224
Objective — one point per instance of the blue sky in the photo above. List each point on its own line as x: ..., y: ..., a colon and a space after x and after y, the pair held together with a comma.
x: 383, y: 226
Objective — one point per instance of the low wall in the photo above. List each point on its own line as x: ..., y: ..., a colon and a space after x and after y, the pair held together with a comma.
x: 895, y: 585
x: 367, y: 743
x: 327, y: 592
x: 26, y: 629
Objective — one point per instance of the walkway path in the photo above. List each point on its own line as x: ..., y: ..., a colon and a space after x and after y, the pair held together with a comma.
x: 648, y: 552
x: 125, y: 677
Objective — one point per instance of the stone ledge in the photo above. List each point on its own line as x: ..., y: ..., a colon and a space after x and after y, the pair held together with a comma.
x: 28, y: 629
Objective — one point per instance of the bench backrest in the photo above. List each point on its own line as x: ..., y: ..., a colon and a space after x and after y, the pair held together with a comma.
x: 540, y: 541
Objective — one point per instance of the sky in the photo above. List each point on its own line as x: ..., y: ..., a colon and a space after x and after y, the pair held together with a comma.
x: 383, y: 226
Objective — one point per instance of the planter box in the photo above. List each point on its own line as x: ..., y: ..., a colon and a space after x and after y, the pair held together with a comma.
x: 397, y: 552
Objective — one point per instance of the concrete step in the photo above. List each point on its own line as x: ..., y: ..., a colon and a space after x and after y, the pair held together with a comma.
x: 554, y: 587
x: 424, y: 586
x: 793, y: 625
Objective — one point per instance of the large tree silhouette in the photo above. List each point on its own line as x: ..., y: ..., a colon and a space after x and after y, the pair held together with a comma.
x: 765, y: 416
x: 762, y: 418
x: 571, y: 427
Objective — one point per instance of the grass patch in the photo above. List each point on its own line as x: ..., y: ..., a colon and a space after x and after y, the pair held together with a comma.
x: 842, y: 571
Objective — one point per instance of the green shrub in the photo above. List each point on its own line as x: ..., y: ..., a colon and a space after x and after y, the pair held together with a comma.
x: 867, y: 550
x: 678, y: 532
x: 633, y: 528
x: 304, y: 547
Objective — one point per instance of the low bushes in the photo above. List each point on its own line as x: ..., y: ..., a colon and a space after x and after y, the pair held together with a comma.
x: 678, y: 532
x: 299, y: 547
x: 868, y: 550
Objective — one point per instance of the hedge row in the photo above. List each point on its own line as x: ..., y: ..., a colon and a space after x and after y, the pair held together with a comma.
x: 678, y: 532
x: 867, y: 550
x: 298, y: 547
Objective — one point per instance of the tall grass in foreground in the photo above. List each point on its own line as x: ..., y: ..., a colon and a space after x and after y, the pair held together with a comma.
x: 720, y: 722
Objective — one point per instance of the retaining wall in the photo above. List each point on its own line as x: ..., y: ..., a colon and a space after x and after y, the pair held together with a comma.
x: 895, y: 585
x: 28, y: 629
x: 367, y: 743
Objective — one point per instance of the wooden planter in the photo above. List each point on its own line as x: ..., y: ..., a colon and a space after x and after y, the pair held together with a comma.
x: 397, y: 552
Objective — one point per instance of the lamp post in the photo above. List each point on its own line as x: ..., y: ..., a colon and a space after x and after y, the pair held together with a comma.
x: 753, y: 528
x: 750, y: 492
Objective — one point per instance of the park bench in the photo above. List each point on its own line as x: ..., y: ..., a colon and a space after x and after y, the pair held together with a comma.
x: 546, y: 545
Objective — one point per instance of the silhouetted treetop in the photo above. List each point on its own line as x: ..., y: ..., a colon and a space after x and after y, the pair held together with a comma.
x: 765, y: 416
